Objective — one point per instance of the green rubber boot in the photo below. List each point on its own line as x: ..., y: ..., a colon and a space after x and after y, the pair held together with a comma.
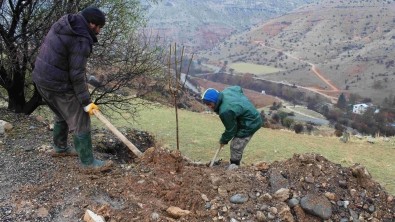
x: 83, y: 145
x: 60, y: 134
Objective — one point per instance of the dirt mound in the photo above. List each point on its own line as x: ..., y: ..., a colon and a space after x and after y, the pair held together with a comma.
x: 163, y: 185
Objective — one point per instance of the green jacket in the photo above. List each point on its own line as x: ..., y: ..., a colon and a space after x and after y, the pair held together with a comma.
x: 237, y: 113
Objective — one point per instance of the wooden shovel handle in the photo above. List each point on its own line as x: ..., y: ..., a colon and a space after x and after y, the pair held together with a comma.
x: 215, y: 156
x: 117, y: 133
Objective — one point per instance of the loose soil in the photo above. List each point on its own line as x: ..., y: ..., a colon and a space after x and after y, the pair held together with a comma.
x: 37, y: 187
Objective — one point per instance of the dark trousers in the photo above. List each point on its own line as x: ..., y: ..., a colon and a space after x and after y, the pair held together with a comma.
x: 67, y: 109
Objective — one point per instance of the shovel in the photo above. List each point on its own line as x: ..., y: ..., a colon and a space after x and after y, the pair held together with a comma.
x: 215, y: 156
x: 117, y: 133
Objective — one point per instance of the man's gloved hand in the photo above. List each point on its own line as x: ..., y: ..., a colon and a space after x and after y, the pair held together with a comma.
x: 89, y: 108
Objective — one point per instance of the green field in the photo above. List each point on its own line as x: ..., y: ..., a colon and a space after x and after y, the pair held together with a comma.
x: 253, y: 68
x: 199, y: 134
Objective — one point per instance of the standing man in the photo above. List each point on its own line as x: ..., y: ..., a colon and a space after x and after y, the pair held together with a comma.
x: 59, y: 75
x: 239, y: 116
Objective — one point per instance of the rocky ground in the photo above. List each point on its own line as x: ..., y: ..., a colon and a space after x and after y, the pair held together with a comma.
x: 164, y: 186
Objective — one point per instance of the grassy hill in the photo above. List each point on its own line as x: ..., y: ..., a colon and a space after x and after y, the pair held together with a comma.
x: 350, y: 42
x: 199, y: 134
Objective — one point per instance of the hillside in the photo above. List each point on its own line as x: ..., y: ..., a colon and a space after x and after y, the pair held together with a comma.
x: 201, y: 24
x: 164, y: 186
x: 350, y: 43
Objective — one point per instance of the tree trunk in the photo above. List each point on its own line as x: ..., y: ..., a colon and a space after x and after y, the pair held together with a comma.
x: 33, y: 103
x: 17, y: 101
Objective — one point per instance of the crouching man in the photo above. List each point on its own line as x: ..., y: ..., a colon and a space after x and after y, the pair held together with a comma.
x: 239, y: 116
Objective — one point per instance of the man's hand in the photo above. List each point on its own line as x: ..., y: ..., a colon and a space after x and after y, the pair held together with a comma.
x: 89, y: 108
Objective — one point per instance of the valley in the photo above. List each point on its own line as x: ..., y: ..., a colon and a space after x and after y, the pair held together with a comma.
x: 331, y: 47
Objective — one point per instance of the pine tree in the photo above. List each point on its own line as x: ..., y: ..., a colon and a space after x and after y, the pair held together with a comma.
x: 341, y: 102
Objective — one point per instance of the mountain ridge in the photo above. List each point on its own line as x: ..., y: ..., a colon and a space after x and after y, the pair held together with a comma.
x: 191, y: 22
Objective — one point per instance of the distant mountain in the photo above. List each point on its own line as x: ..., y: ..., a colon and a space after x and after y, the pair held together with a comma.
x: 201, y: 24
x: 351, y: 43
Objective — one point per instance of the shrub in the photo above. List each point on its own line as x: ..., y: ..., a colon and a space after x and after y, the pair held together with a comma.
x: 339, y: 127
x: 309, y: 128
x: 287, y: 122
x: 276, y: 118
x: 298, y: 128
x: 338, y: 133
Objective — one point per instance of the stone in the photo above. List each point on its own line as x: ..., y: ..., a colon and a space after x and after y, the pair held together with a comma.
x: 238, y: 199
x: 155, y: 216
x: 309, y: 179
x: 5, y: 127
x: 354, y: 215
x: 40, y: 119
x: 353, y: 193
x: 271, y: 216
x: 343, y: 184
x: 277, y: 181
x: 285, y: 214
x: 232, y: 167
x: 204, y: 197
x: 273, y: 210
x: 308, y: 158
x: 264, y: 207
x: 222, y: 191
x: 360, y: 171
x: 300, y: 214
x: 42, y: 212
x: 363, y: 176
x: 260, y: 216
x: 330, y: 196
x: 390, y: 198
x: 215, y: 180
x: 371, y: 208
x: 282, y: 194
x: 317, y: 205
x: 176, y: 212
x: 89, y: 216
x: 261, y: 166
x: 293, y: 202
x: 266, y: 197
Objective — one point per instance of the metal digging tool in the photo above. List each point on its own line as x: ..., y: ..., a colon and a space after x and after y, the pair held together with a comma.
x: 215, y: 156
x: 117, y: 133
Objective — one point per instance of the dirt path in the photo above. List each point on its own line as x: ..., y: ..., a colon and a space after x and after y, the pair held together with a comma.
x: 319, y: 74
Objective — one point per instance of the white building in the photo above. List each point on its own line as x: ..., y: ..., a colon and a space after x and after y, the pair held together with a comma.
x: 359, y: 108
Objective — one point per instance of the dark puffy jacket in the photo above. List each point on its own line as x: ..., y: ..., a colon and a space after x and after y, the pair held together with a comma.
x: 61, y: 61
x: 237, y: 113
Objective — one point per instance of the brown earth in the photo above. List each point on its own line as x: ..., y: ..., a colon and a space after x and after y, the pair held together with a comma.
x: 37, y: 187
x: 274, y: 28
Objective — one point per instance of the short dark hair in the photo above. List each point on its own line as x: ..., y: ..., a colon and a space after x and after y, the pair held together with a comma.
x: 94, y: 15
